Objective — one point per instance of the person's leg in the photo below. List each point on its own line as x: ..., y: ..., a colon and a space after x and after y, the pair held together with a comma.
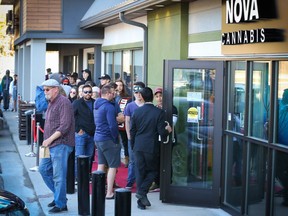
x: 79, y: 149
x: 141, y: 175
x: 46, y: 171
x: 151, y: 170
x: 90, y: 149
x: 139, y: 171
x: 125, y: 146
x: 131, y: 167
x: 59, y: 155
x: 15, y: 105
x: 110, y: 181
x: 6, y: 99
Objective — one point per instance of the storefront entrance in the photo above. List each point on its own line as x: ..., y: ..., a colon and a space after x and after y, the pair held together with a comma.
x: 191, y: 157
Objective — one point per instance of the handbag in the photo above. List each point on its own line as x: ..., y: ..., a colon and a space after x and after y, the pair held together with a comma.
x: 44, y: 152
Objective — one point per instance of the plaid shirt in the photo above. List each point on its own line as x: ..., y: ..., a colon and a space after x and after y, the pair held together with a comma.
x: 60, y: 117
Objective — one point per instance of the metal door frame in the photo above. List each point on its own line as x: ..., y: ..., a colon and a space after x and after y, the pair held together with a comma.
x: 188, y: 195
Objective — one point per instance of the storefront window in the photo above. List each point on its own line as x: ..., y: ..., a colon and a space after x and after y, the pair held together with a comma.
x: 117, y: 64
x: 138, y: 65
x: 234, y: 171
x: 260, y: 97
x: 283, y: 103
x: 126, y: 65
x: 237, y: 96
x: 257, y: 169
x: 281, y: 184
x: 108, y: 63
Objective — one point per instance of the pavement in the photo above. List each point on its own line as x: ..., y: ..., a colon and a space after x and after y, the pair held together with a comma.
x: 45, y: 196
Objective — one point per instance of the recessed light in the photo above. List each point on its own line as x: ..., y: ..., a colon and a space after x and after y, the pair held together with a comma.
x: 149, y: 9
x: 160, y: 6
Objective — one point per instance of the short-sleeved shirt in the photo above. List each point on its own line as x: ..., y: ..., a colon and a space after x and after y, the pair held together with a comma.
x: 130, y: 108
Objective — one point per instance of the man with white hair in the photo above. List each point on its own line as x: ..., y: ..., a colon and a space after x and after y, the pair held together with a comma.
x: 60, y: 139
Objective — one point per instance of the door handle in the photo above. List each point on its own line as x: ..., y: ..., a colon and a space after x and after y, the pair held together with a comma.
x: 198, y: 130
x: 167, y: 140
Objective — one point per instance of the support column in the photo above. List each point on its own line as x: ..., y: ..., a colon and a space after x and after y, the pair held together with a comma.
x: 25, y: 67
x: 37, y: 65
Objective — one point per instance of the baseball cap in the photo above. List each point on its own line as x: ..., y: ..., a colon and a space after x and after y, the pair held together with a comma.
x: 51, y: 82
x: 105, y: 76
x: 158, y: 90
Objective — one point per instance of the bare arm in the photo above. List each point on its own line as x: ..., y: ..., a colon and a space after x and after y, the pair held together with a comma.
x: 53, y: 137
x: 127, y: 125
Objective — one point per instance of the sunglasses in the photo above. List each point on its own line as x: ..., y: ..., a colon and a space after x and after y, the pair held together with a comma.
x: 87, y: 92
x: 47, y: 89
x: 137, y: 88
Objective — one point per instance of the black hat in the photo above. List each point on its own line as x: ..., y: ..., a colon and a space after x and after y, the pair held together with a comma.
x: 105, y: 76
x: 87, y: 71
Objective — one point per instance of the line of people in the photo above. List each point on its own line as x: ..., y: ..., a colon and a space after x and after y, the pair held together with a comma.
x: 87, y: 121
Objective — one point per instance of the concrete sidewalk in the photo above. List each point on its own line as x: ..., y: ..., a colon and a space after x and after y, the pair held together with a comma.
x: 45, y: 196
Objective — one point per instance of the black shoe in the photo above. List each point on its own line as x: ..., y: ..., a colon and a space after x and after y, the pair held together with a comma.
x: 52, y: 204
x: 144, y: 200
x: 140, y: 205
x: 56, y: 209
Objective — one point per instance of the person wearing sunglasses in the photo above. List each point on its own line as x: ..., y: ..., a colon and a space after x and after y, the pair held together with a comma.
x: 84, y: 125
x: 73, y: 94
x: 128, y: 112
x: 60, y: 139
x: 148, y: 123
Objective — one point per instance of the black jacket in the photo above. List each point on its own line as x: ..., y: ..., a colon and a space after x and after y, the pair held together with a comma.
x: 148, y: 122
x: 84, y: 118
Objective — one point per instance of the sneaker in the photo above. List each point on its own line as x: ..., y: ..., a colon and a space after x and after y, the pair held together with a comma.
x: 52, y: 204
x: 129, y: 185
x: 154, y: 187
x: 56, y: 209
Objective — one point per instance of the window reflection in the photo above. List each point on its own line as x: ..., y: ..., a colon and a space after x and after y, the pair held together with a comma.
x: 234, y: 172
x: 257, y: 169
x: 192, y: 158
x: 283, y: 104
x: 260, y: 100
x: 237, y: 97
x: 281, y: 184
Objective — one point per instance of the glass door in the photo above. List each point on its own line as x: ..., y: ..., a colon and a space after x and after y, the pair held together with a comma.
x: 191, y: 158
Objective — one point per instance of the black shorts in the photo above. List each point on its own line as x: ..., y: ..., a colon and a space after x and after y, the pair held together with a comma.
x: 109, y: 153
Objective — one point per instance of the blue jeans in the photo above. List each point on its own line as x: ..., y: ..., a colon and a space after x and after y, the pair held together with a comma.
x: 54, y: 172
x: 84, y: 145
x: 131, y: 167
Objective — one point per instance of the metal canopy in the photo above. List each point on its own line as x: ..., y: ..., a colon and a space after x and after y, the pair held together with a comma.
x: 131, y: 8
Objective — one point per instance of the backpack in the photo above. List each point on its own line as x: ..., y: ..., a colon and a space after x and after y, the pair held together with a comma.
x: 41, y: 103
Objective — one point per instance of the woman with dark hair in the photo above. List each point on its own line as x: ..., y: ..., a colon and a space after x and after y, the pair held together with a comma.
x: 123, y: 99
x: 73, y: 95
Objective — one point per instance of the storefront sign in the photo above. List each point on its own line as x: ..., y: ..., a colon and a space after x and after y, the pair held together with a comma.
x: 247, y: 11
